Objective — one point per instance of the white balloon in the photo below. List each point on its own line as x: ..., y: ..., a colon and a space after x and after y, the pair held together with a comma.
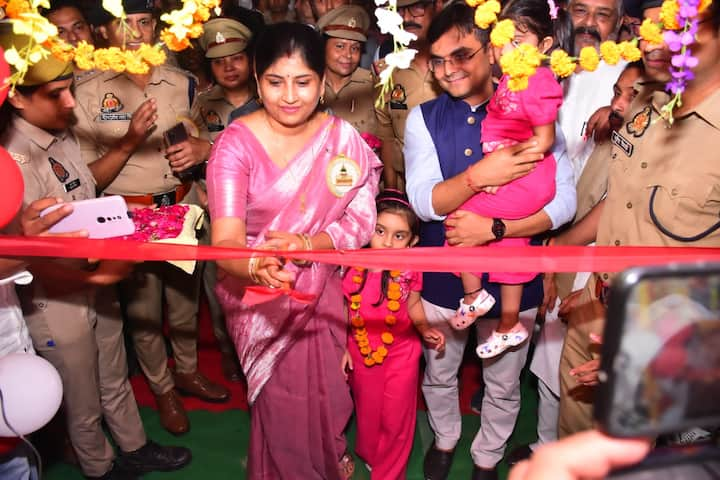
x: 31, y: 392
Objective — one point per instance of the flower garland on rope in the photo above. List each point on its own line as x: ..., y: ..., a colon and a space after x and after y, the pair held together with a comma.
x: 677, y: 29
x: 394, y: 293
x: 183, y: 24
x: 390, y: 21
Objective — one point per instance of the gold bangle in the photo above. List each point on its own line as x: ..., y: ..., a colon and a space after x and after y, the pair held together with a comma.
x: 307, y: 243
x: 252, y: 269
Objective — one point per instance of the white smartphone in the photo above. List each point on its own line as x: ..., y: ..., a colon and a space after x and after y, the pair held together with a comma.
x: 103, y: 217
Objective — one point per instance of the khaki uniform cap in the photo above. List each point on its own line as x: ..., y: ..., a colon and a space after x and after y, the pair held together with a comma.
x: 224, y: 36
x: 350, y: 22
x: 44, y: 71
x: 407, y: 3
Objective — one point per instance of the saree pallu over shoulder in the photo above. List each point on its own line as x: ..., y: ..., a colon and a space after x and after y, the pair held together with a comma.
x: 329, y: 186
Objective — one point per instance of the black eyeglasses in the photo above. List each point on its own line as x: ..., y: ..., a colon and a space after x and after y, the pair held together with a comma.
x: 416, y: 9
x: 457, y: 59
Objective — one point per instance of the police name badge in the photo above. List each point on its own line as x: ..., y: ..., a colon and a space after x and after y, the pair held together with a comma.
x: 622, y: 143
x: 342, y: 175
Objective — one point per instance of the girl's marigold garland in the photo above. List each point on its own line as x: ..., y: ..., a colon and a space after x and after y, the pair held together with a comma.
x: 360, y: 334
x: 677, y: 29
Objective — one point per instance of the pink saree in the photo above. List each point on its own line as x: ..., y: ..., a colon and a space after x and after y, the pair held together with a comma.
x: 290, y: 351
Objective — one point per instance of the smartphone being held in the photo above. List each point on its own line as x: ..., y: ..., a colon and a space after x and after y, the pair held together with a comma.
x: 103, y: 217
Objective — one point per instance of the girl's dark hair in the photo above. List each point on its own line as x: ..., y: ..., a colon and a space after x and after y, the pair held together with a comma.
x: 534, y: 15
x: 393, y: 201
x: 563, y: 36
x: 283, y: 40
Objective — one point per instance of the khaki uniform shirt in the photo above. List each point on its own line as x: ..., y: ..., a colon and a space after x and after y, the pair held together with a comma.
x: 411, y: 87
x: 51, y: 167
x: 217, y: 112
x: 678, y: 164
x: 104, y: 106
x: 355, y: 102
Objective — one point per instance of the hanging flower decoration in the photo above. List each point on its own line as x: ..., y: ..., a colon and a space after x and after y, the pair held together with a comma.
x: 390, y: 21
x: 360, y: 334
x: 183, y: 24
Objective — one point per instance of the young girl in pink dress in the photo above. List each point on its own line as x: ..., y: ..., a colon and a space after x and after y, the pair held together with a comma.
x: 384, y: 349
x: 514, y: 117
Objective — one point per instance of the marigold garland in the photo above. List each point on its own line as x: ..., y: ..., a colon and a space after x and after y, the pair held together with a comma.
x: 360, y: 334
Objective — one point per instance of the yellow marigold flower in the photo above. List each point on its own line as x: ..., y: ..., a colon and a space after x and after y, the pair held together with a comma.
x: 61, y: 51
x: 629, y: 51
x: 135, y: 64
x: 393, y: 305
x: 195, y: 30
x: 390, y: 320
x: 354, y: 306
x: 15, y: 7
x: 382, y: 351
x: 610, y: 52
x: 154, y: 55
x: 84, y: 56
x: 518, y: 84
x: 109, y: 59
x: 669, y: 13
x: 486, y: 13
x: 704, y: 4
x: 503, y: 33
x: 589, y: 59
x: 172, y: 42
x: 561, y: 63
x: 377, y: 357
x: 474, y: 3
x: 357, y: 322
x: 387, y: 338
x: 369, y: 362
x: 650, y: 32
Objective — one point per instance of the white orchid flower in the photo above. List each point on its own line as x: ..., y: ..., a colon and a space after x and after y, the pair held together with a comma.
x: 388, y: 21
x: 400, y: 59
x: 404, y: 37
x: 34, y: 25
x: 13, y: 58
x: 40, y: 3
x: 380, y: 3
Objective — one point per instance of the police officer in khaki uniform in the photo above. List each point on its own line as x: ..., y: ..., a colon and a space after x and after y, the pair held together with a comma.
x: 411, y: 87
x: 225, y: 42
x: 121, y: 121
x: 78, y: 328
x: 349, y: 90
x: 663, y: 190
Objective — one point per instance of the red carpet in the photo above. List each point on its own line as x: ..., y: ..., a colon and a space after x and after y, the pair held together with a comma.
x: 209, y: 364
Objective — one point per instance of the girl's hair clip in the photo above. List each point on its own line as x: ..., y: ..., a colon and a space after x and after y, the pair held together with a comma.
x: 553, y: 9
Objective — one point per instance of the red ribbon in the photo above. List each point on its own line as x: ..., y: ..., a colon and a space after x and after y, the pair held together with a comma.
x: 419, y: 259
x: 257, y: 294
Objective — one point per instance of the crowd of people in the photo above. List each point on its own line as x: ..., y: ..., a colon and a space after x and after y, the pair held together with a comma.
x: 278, y: 101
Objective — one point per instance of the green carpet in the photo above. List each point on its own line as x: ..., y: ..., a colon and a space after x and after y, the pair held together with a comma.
x: 219, y: 443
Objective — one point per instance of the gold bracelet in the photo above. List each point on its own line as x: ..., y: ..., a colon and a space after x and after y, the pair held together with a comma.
x: 307, y: 242
x: 252, y: 269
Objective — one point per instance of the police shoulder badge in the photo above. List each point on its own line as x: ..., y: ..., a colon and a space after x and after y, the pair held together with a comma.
x: 398, y: 98
x: 342, y: 175
x: 110, y: 107
x: 59, y: 170
x: 639, y: 122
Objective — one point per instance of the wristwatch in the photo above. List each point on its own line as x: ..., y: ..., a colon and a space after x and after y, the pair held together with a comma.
x: 498, y: 228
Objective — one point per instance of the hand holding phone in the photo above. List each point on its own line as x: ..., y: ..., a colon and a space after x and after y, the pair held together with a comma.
x: 103, y: 217
x: 176, y: 134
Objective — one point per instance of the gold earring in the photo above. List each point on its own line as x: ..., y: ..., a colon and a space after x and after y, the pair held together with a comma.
x: 322, y: 98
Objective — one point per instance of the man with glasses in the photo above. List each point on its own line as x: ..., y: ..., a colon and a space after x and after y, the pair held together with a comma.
x: 445, y: 166
x: 412, y: 87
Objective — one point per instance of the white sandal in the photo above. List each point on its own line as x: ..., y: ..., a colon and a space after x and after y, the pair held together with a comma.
x: 499, y: 342
x: 466, y: 314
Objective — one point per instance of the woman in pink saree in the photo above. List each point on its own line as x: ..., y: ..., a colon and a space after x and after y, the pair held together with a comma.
x: 290, y: 177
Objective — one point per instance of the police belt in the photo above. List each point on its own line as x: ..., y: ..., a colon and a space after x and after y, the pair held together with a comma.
x: 161, y: 199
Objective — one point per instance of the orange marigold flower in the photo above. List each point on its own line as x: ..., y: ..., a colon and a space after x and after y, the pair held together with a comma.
x: 15, y: 7
x: 387, y: 338
x: 377, y: 357
x: 172, y: 42
x: 363, y: 342
x: 365, y: 350
x: 360, y: 269
x: 393, y: 287
x: 357, y: 298
x: 395, y: 273
x: 390, y: 320
x: 357, y: 279
x: 357, y: 322
x: 382, y: 351
x: 202, y: 14
x: 393, y: 305
x: 369, y: 362
x: 195, y: 30
x: 361, y: 331
x: 394, y: 295
x: 704, y: 4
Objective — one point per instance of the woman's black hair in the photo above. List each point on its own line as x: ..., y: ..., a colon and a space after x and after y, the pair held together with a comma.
x: 7, y: 109
x: 393, y: 201
x: 286, y: 38
x: 533, y: 15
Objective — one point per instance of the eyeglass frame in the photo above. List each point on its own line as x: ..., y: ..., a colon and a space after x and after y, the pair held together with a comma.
x: 420, y: 7
x: 464, y: 58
